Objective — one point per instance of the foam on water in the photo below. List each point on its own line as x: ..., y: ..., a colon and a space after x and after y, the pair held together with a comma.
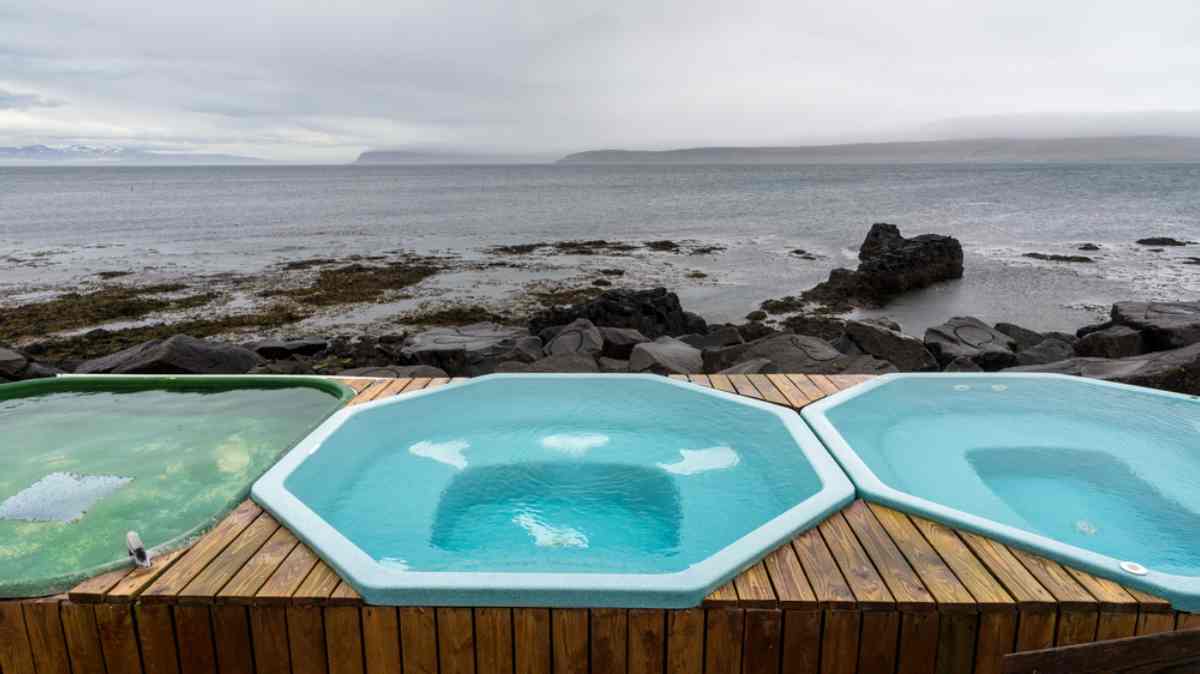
x: 449, y: 452
x: 574, y: 444
x: 60, y: 497
x: 702, y: 460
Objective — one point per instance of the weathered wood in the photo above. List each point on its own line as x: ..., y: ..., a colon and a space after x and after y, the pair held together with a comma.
x: 269, y: 634
x: 381, y: 640
x: 197, y: 557
x: 795, y: 397
x: 44, y: 623
x: 117, y: 638
x: 493, y: 641
x: 822, y: 381
x: 418, y: 640
x: 754, y: 588
x: 937, y: 577
x: 1118, y: 608
x: 829, y: 587
x: 285, y: 580
x: 997, y: 637
x: 15, y: 654
x: 968, y: 569
x: 194, y: 634
x: 801, y: 651
x: 723, y: 629
x: 1037, y: 614
x: 956, y: 642
x: 1113, y: 655
x: 870, y: 592
x: 647, y: 641
x: 130, y: 587
x: 456, y: 641
x: 160, y: 652
x: 685, y: 641
x: 316, y: 588
x: 1078, y: 610
x: 792, y: 589
x: 205, y: 586
x: 95, y: 589
x: 905, y: 586
x: 806, y: 386
x: 344, y: 640
x: 306, y: 640
x: 742, y: 386
x: 839, y: 643
x: 1148, y: 623
x: 725, y: 595
x: 768, y: 391
x: 531, y: 640
x: 231, y: 635
x: 570, y: 629
x: 919, y: 642
x: 609, y: 633
x: 763, y: 641
x: 344, y: 595
x: 259, y: 568
x: 82, y: 638
x: 877, y: 648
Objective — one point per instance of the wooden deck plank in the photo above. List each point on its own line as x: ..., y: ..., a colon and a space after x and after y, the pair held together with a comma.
x: 827, y: 387
x: 456, y: 640
x: 721, y: 383
x: 269, y: 634
x: 647, y: 641
x: 16, y: 656
x: 418, y: 640
x: 905, y: 586
x: 1051, y: 575
x: 845, y: 381
x: 970, y: 571
x: 767, y: 390
x: 609, y: 638
x: 44, y: 624
x: 700, y: 380
x: 806, y: 386
x: 870, y: 590
x: 194, y: 635
x: 118, y: 639
x: 286, y: 580
x: 381, y: 640
x: 839, y: 643
x: 801, y: 650
x: 1016, y: 580
x: 136, y: 581
x: 685, y: 641
x: 828, y: 584
x: 82, y: 638
x: 344, y: 640
x: 570, y: 648
x: 260, y: 567
x: 795, y: 397
x: 742, y: 385
x: 306, y: 640
x: 531, y: 641
x: 937, y: 577
x: 205, y: 586
x: 754, y: 588
x: 231, y: 634
x: 723, y: 630
x: 316, y: 588
x: 157, y: 637
x: 204, y: 551
x: 95, y: 588
x: 344, y: 595
x: 922, y: 638
x: 725, y: 595
x: 493, y: 641
x: 792, y: 588
x: 763, y: 641
x: 877, y: 647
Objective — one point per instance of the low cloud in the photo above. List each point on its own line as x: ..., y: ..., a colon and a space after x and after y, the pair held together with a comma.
x: 10, y: 100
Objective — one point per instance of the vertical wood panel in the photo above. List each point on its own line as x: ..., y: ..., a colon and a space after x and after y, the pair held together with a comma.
x: 569, y: 628
x: 493, y: 641
x: 723, y: 628
x: 197, y: 650
x: 344, y: 639
x: 801, y: 642
x: 231, y: 638
x: 1035, y: 629
x: 609, y: 634
x: 306, y: 640
x: 1076, y: 627
x: 157, y: 638
x: 381, y: 639
x: 16, y: 656
x: 919, y: 642
x: 956, y: 642
x: 44, y: 624
x: 1148, y: 623
x: 685, y: 641
x: 877, y: 648
x: 117, y: 639
x: 762, y: 642
x: 268, y: 630
x: 997, y: 636
x: 418, y: 640
x: 456, y: 641
x: 647, y: 641
x: 839, y: 643
x: 83, y: 640
x: 531, y: 640
x: 1116, y: 626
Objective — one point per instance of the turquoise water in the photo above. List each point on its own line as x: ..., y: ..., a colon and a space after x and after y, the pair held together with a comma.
x: 80, y: 468
x: 1110, y: 470
x: 554, y: 475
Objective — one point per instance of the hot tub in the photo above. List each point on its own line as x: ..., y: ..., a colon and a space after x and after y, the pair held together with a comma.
x: 83, y: 460
x: 553, y: 490
x: 1100, y: 476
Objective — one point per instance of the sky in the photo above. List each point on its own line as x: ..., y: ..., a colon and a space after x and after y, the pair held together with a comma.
x: 317, y: 80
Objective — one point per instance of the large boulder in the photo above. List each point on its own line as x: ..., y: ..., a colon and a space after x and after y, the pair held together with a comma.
x: 654, y: 313
x: 619, y: 342
x: 1164, y: 325
x: 968, y: 337
x: 180, y: 354
x: 1175, y: 370
x: 1048, y: 350
x: 396, y: 372
x: 16, y: 366
x: 580, y: 336
x: 885, y: 341
x: 794, y: 353
x: 560, y: 362
x: 1118, y: 341
x: 717, y: 337
x: 1024, y: 337
x: 471, y: 350
x: 889, y: 265
x: 666, y: 355
x: 279, y: 349
x: 756, y: 366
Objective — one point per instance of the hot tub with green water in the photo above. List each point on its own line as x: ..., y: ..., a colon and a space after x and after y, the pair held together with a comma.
x: 83, y: 460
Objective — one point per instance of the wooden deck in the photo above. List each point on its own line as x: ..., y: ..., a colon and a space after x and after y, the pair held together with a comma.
x: 869, y: 589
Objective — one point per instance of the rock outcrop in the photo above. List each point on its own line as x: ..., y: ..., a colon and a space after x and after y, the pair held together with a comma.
x: 396, y: 371
x: 1117, y: 341
x: 1175, y: 370
x: 179, y: 354
x: 471, y: 350
x: 560, y: 362
x: 884, y: 340
x: 654, y: 313
x: 666, y: 355
x: 619, y: 342
x: 794, y: 353
x: 580, y: 336
x: 1164, y: 325
x: 971, y: 338
x: 16, y: 366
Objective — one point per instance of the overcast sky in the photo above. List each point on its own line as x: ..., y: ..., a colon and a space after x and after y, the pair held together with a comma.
x: 322, y: 80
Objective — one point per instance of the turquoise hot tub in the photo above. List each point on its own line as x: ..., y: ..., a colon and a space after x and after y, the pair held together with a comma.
x: 553, y: 490
x: 83, y: 460
x: 1100, y: 476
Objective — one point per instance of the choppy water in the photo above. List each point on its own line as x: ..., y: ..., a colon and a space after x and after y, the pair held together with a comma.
x: 60, y: 226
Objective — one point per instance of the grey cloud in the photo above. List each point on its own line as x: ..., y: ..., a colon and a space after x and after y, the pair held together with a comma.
x: 14, y: 101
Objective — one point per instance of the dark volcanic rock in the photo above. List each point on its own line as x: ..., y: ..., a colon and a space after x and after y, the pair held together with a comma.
x: 288, y: 366
x: 1090, y: 247
x: 581, y: 336
x: 757, y: 315
x: 278, y: 349
x: 1087, y: 329
x: 619, y: 342
x: 16, y: 366
x: 1054, y: 257
x: 396, y: 372
x: 794, y: 353
x: 1163, y: 241
x: 652, y: 312
x: 1175, y: 370
x: 1164, y: 325
x: 755, y: 366
x: 1024, y: 337
x: 665, y: 355
x: 1048, y: 350
x: 470, y: 350
x: 889, y: 265
x: 562, y: 362
x: 612, y: 364
x: 717, y: 337
x: 968, y: 337
x: 962, y: 364
x: 827, y: 328
x: 1118, y: 341
x: 180, y: 354
x: 883, y: 341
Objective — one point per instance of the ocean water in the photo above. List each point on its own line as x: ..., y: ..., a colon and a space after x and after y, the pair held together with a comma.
x: 60, y: 226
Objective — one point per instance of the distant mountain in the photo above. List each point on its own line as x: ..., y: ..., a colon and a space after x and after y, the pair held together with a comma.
x: 1125, y: 148
x: 92, y: 154
x: 441, y: 157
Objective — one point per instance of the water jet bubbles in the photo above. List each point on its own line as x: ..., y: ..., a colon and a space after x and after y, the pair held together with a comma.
x: 999, y: 387
x: 962, y: 387
x: 1085, y: 527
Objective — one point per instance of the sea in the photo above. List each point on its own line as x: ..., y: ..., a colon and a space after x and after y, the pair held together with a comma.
x: 61, y: 226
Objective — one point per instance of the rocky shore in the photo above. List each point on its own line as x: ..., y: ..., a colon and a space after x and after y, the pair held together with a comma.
x: 627, y: 330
